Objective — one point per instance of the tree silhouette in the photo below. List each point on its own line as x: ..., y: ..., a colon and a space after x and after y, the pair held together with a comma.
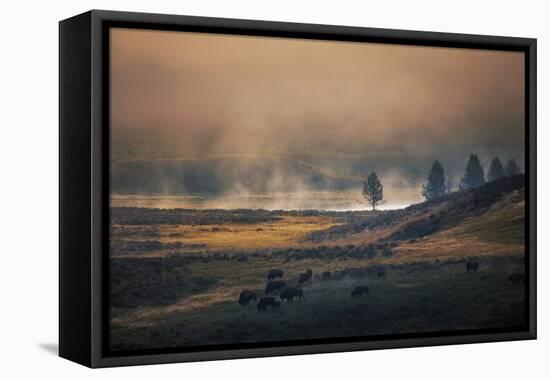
x: 495, y: 170
x: 435, y: 186
x: 373, y: 191
x: 512, y: 168
x: 474, y: 175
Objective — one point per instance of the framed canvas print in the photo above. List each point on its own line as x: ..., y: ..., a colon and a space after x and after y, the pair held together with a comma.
x: 233, y: 188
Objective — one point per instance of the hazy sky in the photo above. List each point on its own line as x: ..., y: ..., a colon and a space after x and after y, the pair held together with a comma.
x: 214, y: 94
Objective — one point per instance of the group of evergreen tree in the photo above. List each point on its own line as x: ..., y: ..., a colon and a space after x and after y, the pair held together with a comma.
x: 438, y: 184
x: 496, y: 170
x: 474, y: 176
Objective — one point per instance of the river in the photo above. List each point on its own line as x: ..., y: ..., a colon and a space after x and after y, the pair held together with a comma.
x: 319, y: 200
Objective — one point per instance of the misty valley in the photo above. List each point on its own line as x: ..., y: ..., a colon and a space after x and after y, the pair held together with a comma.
x: 283, y: 189
x: 204, y: 276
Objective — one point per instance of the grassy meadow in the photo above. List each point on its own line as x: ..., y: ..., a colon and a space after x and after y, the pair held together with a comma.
x: 176, y: 274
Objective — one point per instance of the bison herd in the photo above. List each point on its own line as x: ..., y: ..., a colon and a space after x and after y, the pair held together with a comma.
x: 275, y: 284
x: 514, y: 278
x: 289, y: 293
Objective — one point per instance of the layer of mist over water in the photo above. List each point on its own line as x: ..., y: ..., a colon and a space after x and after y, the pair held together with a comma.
x: 345, y: 200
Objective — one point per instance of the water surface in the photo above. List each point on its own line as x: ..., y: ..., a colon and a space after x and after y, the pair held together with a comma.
x: 319, y: 200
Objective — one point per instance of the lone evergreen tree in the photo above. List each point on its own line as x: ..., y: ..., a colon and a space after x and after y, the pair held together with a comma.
x: 512, y: 168
x: 435, y: 186
x: 495, y: 171
x: 373, y: 191
x: 474, y: 175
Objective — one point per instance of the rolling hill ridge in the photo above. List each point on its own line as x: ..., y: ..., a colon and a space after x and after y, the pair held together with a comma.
x: 494, y: 211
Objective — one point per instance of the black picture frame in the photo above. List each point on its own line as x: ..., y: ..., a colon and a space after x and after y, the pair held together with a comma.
x: 84, y: 184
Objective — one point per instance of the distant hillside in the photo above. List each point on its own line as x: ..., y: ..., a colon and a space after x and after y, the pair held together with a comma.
x: 494, y: 211
x: 219, y: 175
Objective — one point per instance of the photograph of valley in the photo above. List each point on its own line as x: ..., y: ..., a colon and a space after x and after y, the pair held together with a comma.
x: 275, y: 189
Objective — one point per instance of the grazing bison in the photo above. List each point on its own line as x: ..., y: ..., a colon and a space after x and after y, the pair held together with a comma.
x: 326, y: 275
x: 516, y: 278
x: 304, y: 277
x: 246, y: 297
x: 472, y: 266
x: 265, y: 302
x: 274, y: 286
x: 274, y: 273
x: 290, y: 292
x: 381, y: 273
x: 358, y: 291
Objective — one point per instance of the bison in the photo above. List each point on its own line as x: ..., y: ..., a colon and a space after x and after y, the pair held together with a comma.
x: 472, y: 266
x: 304, y: 277
x: 381, y: 273
x: 265, y: 302
x: 516, y: 278
x: 289, y: 293
x: 246, y: 297
x: 326, y: 275
x: 274, y: 273
x: 274, y: 286
x: 358, y: 291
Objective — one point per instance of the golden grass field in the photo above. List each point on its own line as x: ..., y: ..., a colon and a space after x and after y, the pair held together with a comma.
x: 284, y: 233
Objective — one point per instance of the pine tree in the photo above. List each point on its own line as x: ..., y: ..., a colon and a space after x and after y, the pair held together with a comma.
x: 373, y: 191
x: 495, y: 171
x: 474, y: 175
x: 512, y: 168
x: 435, y: 186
